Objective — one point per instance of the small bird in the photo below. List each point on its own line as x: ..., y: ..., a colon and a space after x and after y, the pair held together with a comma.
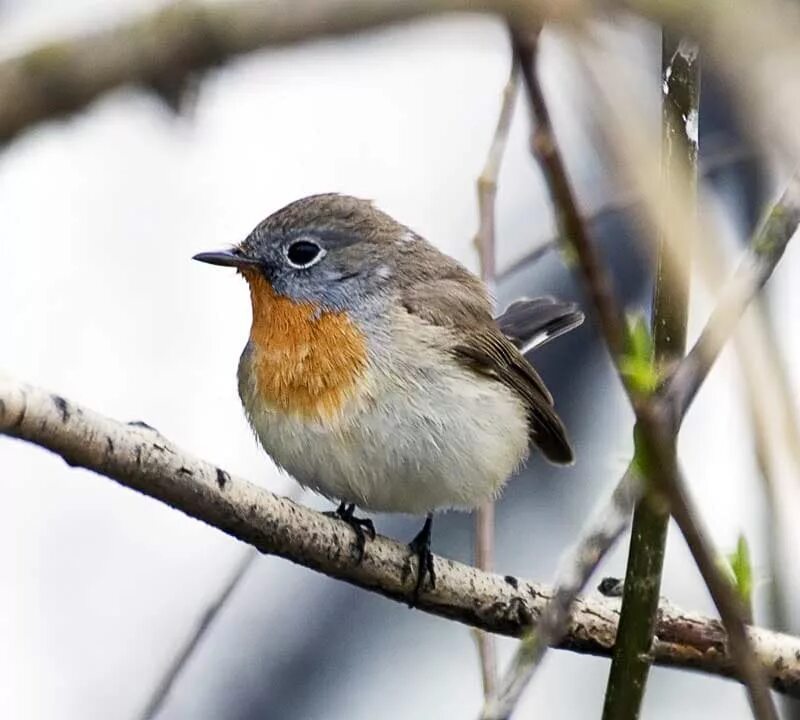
x: 375, y: 373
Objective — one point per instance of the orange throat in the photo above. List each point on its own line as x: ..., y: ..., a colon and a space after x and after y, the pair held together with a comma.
x: 306, y: 362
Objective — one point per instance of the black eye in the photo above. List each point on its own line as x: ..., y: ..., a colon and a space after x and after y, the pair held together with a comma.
x: 303, y: 253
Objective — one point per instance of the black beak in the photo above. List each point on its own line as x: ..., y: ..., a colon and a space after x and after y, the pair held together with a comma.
x: 227, y: 258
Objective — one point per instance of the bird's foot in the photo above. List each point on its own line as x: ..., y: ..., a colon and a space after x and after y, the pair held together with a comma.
x: 361, y: 526
x: 421, y: 547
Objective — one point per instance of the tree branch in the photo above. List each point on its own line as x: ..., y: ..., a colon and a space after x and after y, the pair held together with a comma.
x: 766, y: 250
x: 654, y: 431
x: 179, y: 662
x: 630, y: 665
x: 165, y: 50
x: 143, y: 460
x: 485, y: 243
x: 573, y: 230
x: 574, y: 572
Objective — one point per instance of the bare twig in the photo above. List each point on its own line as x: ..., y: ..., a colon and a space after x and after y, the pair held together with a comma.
x: 574, y: 573
x: 596, y: 543
x: 485, y: 242
x: 631, y: 662
x: 487, y: 182
x: 652, y: 419
x: 178, y: 664
x: 145, y: 461
x: 569, y: 221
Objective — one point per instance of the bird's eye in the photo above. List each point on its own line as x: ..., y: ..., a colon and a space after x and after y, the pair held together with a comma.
x: 304, y: 253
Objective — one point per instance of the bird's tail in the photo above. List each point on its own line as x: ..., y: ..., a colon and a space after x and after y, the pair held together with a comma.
x: 529, y: 324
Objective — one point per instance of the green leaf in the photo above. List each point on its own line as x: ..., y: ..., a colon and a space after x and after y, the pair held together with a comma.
x: 742, y: 571
x: 637, y: 363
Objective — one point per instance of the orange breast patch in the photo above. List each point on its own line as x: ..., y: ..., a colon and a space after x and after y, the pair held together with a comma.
x: 306, y: 362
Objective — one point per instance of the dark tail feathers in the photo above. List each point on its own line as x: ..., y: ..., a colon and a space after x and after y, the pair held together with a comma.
x: 530, y: 324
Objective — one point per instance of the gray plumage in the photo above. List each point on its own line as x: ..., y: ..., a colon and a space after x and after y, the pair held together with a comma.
x: 447, y: 405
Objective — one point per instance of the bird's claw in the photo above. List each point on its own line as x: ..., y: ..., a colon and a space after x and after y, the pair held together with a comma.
x: 420, y: 546
x: 361, y: 526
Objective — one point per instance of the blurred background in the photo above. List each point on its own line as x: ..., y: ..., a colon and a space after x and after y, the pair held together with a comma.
x: 99, y: 217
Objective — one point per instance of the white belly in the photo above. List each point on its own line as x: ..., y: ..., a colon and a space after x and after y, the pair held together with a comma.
x: 415, y: 441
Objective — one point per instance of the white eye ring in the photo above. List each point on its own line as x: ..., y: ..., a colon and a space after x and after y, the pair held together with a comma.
x: 303, y: 252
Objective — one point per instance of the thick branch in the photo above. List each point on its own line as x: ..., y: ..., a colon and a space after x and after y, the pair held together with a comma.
x: 141, y: 459
x: 165, y: 49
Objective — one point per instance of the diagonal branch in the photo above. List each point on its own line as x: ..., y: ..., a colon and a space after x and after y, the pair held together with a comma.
x: 655, y: 431
x: 766, y: 250
x: 145, y: 461
x: 574, y: 572
x: 161, y: 692
x: 610, y: 522
x: 568, y: 218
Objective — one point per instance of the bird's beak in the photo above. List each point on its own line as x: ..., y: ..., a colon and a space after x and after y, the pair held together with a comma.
x: 228, y: 258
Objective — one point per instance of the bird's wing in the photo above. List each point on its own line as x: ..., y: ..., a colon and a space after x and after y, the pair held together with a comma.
x: 460, y: 304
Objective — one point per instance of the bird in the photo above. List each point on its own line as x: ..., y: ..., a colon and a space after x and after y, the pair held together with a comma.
x: 375, y: 373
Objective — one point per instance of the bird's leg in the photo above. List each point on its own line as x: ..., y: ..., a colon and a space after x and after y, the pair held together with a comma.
x: 421, y: 547
x: 361, y: 526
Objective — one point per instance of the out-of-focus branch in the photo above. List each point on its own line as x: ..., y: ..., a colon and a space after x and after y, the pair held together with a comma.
x: 176, y: 667
x: 569, y: 221
x: 655, y: 429
x: 143, y: 460
x: 574, y: 572
x: 600, y: 538
x: 487, y: 182
x: 679, y: 121
x: 164, y: 50
x: 766, y: 250
x: 485, y: 243
x: 770, y: 401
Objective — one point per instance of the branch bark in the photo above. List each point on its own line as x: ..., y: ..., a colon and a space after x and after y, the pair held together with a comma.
x: 143, y: 460
x: 680, y: 107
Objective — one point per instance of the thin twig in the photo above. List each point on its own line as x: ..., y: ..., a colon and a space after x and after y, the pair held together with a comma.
x: 179, y: 662
x: 143, y: 460
x: 569, y: 221
x: 575, y: 570
x: 631, y: 662
x: 652, y: 416
x: 573, y: 231
x: 649, y: 410
x: 485, y: 242
x: 487, y: 182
